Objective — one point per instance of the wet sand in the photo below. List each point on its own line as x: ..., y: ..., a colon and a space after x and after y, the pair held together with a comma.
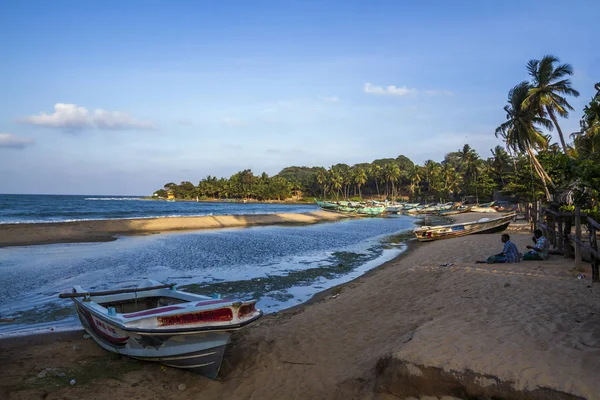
x: 107, y: 230
x: 411, y: 327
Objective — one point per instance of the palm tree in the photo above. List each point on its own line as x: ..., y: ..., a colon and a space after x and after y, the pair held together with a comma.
x: 336, y: 181
x: 520, y: 130
x: 431, y: 171
x: 547, y: 89
x: 416, y: 176
x: 587, y: 141
x: 450, y: 180
x: 391, y: 173
x: 322, y: 180
x: 375, y: 173
x: 469, y: 161
x: 500, y: 162
x: 360, y: 178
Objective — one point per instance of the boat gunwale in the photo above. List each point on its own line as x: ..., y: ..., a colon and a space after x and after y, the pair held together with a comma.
x: 437, y: 227
x: 180, y: 331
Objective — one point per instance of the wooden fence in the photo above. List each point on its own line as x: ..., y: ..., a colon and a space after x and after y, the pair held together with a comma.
x: 557, y: 228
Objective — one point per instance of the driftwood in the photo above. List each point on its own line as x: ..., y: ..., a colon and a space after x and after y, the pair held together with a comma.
x: 119, y: 291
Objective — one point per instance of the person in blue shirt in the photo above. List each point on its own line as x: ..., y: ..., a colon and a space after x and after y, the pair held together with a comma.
x: 539, y: 251
x: 510, y: 253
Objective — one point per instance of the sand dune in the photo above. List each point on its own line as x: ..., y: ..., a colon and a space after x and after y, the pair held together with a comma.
x: 105, y: 230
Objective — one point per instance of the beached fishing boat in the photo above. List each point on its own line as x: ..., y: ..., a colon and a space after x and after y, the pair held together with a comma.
x: 483, y: 209
x: 455, y: 211
x: 370, y: 210
x: 160, y: 323
x: 326, y: 205
x: 484, y: 225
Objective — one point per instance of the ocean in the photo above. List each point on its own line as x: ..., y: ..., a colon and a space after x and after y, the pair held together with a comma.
x: 16, y: 208
x: 280, y: 266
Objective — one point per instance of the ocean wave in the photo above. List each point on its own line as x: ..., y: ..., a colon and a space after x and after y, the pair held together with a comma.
x: 112, y: 198
x: 46, y: 221
x: 211, y: 214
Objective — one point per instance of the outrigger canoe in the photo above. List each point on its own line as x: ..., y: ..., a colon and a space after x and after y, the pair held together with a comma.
x: 484, y: 225
x: 160, y: 323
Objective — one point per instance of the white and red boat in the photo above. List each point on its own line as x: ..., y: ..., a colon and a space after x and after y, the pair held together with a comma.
x: 160, y: 323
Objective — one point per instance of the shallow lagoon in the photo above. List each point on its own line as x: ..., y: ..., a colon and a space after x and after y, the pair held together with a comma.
x: 280, y: 266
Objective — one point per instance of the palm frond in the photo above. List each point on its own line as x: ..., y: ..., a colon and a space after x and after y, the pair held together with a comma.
x: 532, y: 68
x: 561, y: 70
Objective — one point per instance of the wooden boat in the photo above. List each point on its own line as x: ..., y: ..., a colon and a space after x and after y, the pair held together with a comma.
x: 483, y: 209
x: 326, y: 205
x: 160, y: 323
x: 454, y: 211
x: 484, y: 225
x: 370, y: 210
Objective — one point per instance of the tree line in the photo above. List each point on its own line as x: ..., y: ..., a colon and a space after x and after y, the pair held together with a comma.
x: 528, y: 166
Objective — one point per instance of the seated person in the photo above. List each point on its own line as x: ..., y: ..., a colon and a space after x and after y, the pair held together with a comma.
x: 510, y: 253
x: 540, y: 250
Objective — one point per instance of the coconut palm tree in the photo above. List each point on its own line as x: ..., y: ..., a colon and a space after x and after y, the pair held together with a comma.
x: 469, y: 161
x: 336, y: 181
x: 391, y: 173
x: 360, y: 178
x: 521, y: 132
x: 375, y: 174
x: 587, y: 141
x: 322, y: 180
x: 499, y: 162
x: 431, y: 171
x: 548, y: 87
x: 450, y: 180
x: 415, y: 174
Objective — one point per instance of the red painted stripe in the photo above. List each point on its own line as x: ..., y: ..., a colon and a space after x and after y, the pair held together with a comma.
x: 152, y: 312
x: 209, y: 302
x: 112, y: 339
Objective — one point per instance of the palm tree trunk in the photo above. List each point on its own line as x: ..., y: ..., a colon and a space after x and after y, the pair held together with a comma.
x: 560, y: 134
x: 541, y: 173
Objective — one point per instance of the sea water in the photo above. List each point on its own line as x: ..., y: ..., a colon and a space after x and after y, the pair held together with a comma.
x: 280, y: 266
x: 17, y: 208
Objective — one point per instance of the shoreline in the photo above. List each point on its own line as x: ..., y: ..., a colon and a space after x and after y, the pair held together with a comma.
x: 26, y: 234
x: 409, y: 327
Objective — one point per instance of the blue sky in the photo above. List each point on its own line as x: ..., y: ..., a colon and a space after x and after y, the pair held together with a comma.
x: 113, y: 97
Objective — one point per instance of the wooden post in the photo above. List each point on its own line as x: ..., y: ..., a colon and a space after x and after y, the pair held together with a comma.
x: 527, y: 211
x: 593, y: 229
x: 552, y: 225
x: 578, y: 235
x: 560, y: 234
x: 540, y: 215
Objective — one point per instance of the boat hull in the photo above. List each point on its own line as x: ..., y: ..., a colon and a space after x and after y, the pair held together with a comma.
x: 197, y: 351
x: 430, y: 233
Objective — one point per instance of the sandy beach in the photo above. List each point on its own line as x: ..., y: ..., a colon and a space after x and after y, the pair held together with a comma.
x: 106, y: 230
x: 410, y: 328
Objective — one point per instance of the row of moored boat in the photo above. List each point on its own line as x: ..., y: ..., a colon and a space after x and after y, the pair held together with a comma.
x: 377, y: 208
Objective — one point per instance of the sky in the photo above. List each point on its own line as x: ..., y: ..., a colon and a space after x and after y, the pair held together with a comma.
x: 120, y: 97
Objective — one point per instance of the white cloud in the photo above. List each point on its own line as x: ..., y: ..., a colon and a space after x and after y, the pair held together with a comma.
x: 73, y: 117
x: 401, y: 91
x: 230, y: 121
x: 329, y: 99
x: 8, y: 140
x: 388, y: 90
